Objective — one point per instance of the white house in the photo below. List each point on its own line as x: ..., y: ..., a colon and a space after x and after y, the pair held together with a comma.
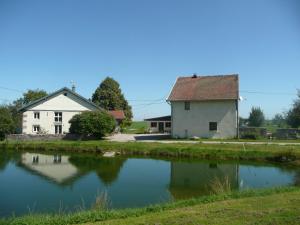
x: 52, y: 113
x: 205, y: 106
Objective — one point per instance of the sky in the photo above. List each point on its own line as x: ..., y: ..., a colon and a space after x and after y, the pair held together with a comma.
x: 146, y: 45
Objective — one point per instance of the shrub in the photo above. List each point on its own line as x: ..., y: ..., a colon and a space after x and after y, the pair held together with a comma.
x: 251, y: 135
x: 7, y: 125
x: 88, y: 123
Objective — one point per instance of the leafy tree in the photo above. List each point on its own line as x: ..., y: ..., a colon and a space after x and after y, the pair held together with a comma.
x: 279, y: 120
x: 7, y: 125
x: 96, y: 123
x: 28, y: 97
x: 293, y: 115
x: 109, y: 96
x: 256, y: 117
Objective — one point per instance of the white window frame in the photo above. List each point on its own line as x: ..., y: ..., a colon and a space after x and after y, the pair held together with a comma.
x: 36, y: 115
x: 57, y: 117
x: 36, y: 128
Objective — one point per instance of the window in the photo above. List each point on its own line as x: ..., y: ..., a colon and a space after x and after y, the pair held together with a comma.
x: 58, y: 116
x: 187, y: 105
x: 58, y: 129
x: 66, y: 94
x: 168, y: 124
x: 153, y: 124
x: 36, y: 115
x: 36, y: 128
x: 213, y: 126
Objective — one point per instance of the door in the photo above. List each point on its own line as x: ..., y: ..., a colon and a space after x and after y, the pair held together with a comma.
x: 161, y: 127
x: 58, y: 129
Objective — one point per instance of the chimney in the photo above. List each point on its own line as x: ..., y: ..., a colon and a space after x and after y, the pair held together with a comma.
x: 73, y: 86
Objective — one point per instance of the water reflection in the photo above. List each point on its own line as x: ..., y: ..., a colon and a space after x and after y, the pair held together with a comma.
x: 190, y: 179
x: 129, y: 182
x: 107, y: 169
x: 53, y: 167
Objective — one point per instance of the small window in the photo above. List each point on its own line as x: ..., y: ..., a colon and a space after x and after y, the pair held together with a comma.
x: 36, y: 128
x: 66, y: 94
x: 58, y: 116
x: 36, y: 115
x: 168, y: 124
x: 153, y: 124
x: 213, y: 126
x: 187, y: 105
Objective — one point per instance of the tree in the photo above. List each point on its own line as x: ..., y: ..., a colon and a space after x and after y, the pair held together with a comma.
x: 279, y: 120
x: 28, y: 97
x: 256, y: 117
x: 96, y: 123
x: 293, y: 115
x: 7, y: 125
x: 109, y: 96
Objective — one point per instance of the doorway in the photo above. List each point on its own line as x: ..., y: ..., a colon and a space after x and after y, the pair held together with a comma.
x: 161, y: 128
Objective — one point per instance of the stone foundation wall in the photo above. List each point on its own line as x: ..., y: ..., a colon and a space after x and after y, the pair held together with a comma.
x: 47, y: 137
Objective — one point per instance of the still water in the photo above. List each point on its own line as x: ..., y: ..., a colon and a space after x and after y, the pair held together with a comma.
x: 35, y: 182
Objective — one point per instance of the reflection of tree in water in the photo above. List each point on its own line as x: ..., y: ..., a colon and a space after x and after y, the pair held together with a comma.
x: 5, y: 157
x: 107, y: 169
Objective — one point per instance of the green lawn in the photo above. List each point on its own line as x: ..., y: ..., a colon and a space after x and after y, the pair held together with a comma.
x: 265, y: 206
x: 281, y: 208
x: 136, y: 127
x: 259, y: 152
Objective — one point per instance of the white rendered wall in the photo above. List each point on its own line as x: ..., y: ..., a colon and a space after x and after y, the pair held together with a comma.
x: 69, y: 105
x: 195, y: 122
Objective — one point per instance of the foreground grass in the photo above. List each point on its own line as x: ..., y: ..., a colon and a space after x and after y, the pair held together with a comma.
x: 261, y: 152
x: 136, y: 127
x: 278, y: 205
x: 281, y: 208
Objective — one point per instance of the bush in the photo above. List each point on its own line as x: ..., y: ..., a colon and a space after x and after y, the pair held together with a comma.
x: 251, y: 135
x: 88, y: 123
x: 7, y: 125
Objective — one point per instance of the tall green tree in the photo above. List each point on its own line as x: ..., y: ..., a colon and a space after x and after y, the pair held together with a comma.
x: 110, y: 97
x: 256, y: 117
x: 7, y: 125
x: 28, y: 97
x: 279, y: 120
x: 293, y: 115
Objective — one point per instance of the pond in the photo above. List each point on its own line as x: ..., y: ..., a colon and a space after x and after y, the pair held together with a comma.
x: 36, y: 182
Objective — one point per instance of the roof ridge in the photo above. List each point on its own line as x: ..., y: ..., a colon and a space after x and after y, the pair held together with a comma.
x: 211, y: 76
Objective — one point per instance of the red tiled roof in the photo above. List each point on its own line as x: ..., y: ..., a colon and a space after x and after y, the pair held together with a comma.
x: 117, y: 114
x: 203, y: 88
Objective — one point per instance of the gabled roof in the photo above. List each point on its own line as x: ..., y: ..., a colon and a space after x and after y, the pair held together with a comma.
x: 204, y: 88
x: 162, y: 118
x: 54, y: 94
x: 117, y: 114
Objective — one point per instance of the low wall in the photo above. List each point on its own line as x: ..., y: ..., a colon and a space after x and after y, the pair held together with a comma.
x: 287, y: 134
x: 47, y: 137
x: 261, y: 131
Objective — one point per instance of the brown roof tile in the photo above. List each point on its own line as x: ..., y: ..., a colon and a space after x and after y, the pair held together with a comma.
x: 204, y: 88
x: 117, y: 114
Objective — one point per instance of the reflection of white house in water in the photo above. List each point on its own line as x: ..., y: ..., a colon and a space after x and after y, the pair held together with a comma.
x: 191, y: 179
x: 55, y: 167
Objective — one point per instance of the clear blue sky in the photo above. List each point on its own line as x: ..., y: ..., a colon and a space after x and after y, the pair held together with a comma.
x: 145, y: 45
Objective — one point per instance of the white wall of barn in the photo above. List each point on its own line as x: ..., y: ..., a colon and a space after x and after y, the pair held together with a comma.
x: 69, y: 105
x: 195, y: 122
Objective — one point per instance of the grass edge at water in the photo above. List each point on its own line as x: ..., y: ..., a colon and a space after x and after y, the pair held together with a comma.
x: 94, y: 215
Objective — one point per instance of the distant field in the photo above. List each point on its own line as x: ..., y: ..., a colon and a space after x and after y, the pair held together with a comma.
x: 137, y: 127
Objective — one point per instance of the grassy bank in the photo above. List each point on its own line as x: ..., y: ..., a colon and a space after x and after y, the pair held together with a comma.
x: 266, y: 205
x: 262, y: 152
x: 136, y: 127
